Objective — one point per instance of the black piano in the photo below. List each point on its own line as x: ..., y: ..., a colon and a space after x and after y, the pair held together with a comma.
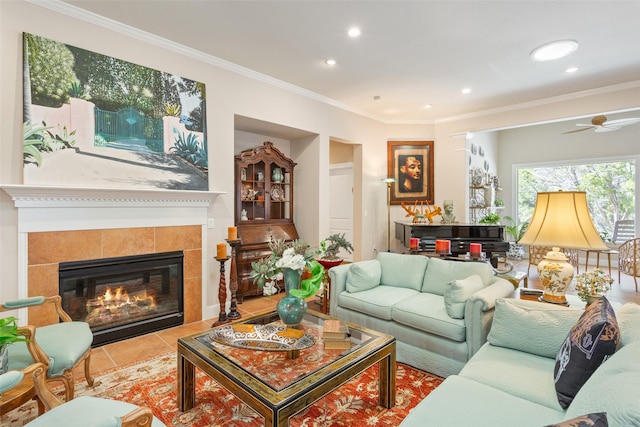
x: 490, y: 236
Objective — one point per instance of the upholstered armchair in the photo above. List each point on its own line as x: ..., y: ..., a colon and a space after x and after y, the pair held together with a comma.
x: 60, y: 347
x: 629, y: 259
x: 80, y: 412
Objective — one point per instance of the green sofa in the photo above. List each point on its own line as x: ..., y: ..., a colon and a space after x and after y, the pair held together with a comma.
x: 439, y: 311
x: 509, y: 381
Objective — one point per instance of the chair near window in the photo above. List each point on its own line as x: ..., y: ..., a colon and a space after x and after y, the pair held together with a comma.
x: 629, y: 259
x: 537, y: 254
x: 60, y: 347
x: 623, y: 230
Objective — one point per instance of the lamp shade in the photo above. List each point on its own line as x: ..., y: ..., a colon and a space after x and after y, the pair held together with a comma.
x: 562, y: 218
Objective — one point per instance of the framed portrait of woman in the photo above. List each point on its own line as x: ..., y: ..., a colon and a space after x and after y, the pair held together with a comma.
x: 410, y: 163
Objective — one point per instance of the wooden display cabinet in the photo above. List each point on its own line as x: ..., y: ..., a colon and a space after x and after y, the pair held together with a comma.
x: 263, y: 210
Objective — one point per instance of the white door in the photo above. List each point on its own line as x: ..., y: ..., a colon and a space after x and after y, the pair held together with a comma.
x: 341, y: 204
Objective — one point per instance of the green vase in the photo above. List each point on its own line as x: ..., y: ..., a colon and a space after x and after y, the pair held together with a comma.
x: 4, y: 358
x: 291, y: 309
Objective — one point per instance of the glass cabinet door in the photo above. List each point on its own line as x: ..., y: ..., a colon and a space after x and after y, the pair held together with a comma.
x: 252, y: 192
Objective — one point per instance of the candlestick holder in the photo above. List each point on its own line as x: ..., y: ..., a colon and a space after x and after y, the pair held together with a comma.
x: 222, y: 294
x: 233, y: 286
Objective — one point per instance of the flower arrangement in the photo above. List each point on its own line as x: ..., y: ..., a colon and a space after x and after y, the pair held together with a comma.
x: 295, y: 255
x: 594, y: 283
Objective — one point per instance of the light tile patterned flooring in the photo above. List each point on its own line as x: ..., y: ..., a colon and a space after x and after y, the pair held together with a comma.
x: 140, y: 348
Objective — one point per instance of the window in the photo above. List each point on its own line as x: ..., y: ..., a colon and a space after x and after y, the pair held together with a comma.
x: 610, y: 188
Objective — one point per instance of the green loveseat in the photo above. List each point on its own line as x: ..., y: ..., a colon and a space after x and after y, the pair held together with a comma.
x: 510, y: 380
x: 439, y: 311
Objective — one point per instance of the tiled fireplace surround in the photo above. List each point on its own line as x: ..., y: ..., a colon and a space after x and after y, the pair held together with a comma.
x: 60, y: 224
x: 47, y: 249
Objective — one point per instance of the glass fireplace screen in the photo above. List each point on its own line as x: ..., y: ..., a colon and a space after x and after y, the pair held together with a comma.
x: 126, y: 296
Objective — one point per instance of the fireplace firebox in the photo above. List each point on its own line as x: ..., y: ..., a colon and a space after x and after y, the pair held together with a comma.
x: 126, y: 296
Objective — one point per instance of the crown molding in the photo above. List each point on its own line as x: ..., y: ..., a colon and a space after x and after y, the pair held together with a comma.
x: 542, y: 102
x: 120, y: 28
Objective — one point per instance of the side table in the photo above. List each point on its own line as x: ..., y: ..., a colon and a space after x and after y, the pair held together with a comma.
x: 326, y: 281
x: 607, y: 252
x: 515, y: 277
x: 21, y: 394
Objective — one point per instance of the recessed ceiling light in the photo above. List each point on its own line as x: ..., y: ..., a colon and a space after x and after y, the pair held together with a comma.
x: 571, y: 70
x: 554, y: 50
x: 331, y: 62
x: 428, y: 106
x: 376, y: 98
x: 466, y: 90
x: 354, y: 32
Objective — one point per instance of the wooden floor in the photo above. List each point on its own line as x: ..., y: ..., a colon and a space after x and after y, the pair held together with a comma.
x: 139, y: 348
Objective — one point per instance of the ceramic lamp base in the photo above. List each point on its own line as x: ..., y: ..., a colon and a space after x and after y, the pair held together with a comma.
x: 555, y: 274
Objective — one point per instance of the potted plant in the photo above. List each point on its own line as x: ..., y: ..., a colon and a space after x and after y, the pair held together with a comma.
x: 516, y: 251
x: 9, y: 333
x: 490, y: 218
x: 329, y: 248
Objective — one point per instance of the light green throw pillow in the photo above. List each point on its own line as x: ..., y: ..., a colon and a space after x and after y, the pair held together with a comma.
x: 629, y: 322
x: 458, y: 292
x: 440, y: 272
x: 530, y: 326
x: 363, y: 275
x: 402, y: 270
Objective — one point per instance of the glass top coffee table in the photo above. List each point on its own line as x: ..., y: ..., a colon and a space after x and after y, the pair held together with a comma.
x: 278, y: 384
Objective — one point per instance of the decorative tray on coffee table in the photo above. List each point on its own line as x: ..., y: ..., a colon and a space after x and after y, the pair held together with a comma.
x: 270, y: 337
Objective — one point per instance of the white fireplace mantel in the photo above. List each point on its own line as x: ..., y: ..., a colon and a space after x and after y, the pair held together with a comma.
x: 28, y: 196
x: 48, y: 208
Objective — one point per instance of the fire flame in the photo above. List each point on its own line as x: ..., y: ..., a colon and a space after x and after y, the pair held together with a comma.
x: 121, y: 298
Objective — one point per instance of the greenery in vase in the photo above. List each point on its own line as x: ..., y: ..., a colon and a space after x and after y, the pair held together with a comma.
x: 330, y: 247
x: 593, y: 283
x: 513, y: 230
x: 9, y: 332
x: 296, y: 255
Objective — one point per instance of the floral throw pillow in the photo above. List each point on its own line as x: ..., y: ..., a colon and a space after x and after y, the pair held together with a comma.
x: 598, y: 419
x: 590, y: 342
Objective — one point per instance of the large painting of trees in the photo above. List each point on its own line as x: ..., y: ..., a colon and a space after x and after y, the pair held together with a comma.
x: 132, y: 108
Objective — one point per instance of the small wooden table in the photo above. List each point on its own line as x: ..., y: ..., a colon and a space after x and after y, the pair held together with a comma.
x: 20, y: 394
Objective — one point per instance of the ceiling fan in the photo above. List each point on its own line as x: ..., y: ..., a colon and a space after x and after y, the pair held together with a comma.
x: 601, y: 124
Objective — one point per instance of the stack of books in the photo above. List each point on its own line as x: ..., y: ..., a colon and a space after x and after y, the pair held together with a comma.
x: 335, y: 335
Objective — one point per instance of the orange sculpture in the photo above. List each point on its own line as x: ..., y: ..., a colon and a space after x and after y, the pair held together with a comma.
x: 423, y: 214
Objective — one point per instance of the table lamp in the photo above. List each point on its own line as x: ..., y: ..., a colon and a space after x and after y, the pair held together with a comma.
x: 388, y: 181
x: 560, y: 219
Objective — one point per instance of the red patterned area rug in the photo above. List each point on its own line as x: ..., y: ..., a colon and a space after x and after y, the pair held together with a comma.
x: 152, y: 383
